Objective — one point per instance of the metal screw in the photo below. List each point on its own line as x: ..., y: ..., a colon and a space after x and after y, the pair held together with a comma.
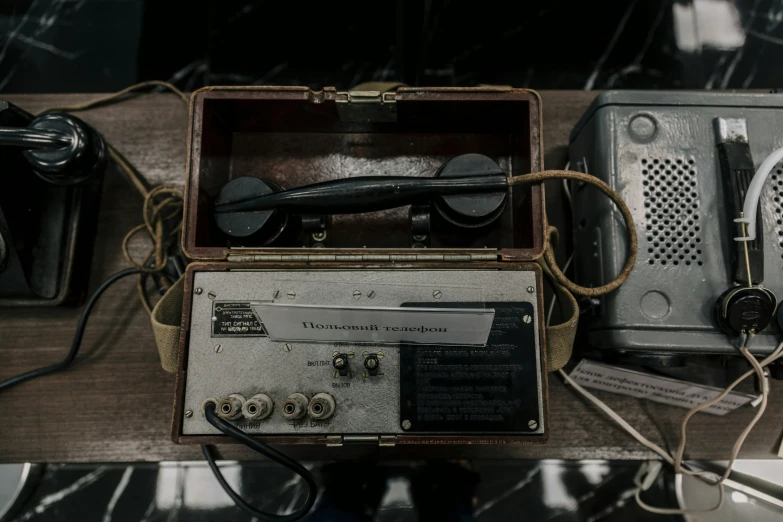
x: 532, y: 424
x: 527, y: 319
x: 419, y: 237
x: 212, y: 295
x: 198, y: 291
x: 319, y: 236
x: 371, y: 363
x: 379, y: 355
x: 188, y: 413
x: 356, y: 294
x: 287, y: 347
x: 530, y: 289
x: 276, y: 294
x: 218, y: 348
x: 371, y: 294
x: 339, y: 363
x: 406, y: 424
x: 291, y: 294
x: 437, y: 294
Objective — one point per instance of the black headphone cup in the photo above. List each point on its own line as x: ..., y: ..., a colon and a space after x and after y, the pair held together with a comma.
x: 745, y: 309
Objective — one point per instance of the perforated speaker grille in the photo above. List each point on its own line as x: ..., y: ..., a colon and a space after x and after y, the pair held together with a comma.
x: 777, y: 191
x: 671, y: 202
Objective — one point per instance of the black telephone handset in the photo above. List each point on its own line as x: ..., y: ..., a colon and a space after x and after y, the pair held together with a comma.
x: 61, y: 149
x: 468, y: 191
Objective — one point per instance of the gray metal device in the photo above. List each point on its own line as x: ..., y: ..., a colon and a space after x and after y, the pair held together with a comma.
x: 354, y: 387
x: 659, y: 150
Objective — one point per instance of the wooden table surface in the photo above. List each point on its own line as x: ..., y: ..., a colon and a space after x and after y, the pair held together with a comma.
x: 115, y: 402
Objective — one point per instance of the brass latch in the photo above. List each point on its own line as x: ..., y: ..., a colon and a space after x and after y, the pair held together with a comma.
x: 367, y: 106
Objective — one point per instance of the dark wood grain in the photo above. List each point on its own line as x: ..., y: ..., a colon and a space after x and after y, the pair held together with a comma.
x: 115, y: 403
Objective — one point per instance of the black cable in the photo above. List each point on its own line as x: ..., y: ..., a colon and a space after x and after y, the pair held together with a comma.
x: 240, y: 436
x: 77, y: 337
x: 33, y: 138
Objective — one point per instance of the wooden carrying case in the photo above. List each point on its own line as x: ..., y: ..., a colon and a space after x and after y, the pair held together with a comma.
x: 296, y: 136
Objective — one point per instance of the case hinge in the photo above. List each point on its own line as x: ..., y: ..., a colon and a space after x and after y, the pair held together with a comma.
x: 367, y: 106
x: 348, y: 258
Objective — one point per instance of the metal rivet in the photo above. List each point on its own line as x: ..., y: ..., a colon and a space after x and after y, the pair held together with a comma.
x: 406, y: 424
x: 437, y: 294
x: 291, y: 294
x: 276, y: 294
x: 188, y: 413
x: 218, y: 348
x: 212, y: 295
x: 527, y: 319
x: 198, y: 291
x: 356, y: 294
x: 287, y: 347
x: 371, y: 294
x: 532, y: 424
x: 530, y: 289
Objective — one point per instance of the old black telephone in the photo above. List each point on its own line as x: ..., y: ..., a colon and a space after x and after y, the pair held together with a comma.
x: 53, y: 169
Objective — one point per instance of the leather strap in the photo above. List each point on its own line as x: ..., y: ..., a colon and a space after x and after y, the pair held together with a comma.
x: 166, y: 322
x: 560, y: 337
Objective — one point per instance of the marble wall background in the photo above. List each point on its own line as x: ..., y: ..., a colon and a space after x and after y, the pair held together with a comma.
x: 104, y: 45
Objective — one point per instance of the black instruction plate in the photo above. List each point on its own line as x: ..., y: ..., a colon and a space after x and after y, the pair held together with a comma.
x: 475, y: 389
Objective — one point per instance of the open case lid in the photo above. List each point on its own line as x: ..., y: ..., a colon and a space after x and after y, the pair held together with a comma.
x: 295, y: 136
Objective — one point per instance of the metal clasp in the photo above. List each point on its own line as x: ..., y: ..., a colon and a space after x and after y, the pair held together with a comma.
x: 367, y: 106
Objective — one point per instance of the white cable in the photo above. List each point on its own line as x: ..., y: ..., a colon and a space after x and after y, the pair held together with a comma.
x: 615, y: 417
x: 567, y: 192
x: 751, y: 205
x: 554, y: 294
x: 753, y: 194
x: 677, y: 462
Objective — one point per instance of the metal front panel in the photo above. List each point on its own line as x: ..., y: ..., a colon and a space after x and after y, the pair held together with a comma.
x: 663, y: 160
x: 220, y: 365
